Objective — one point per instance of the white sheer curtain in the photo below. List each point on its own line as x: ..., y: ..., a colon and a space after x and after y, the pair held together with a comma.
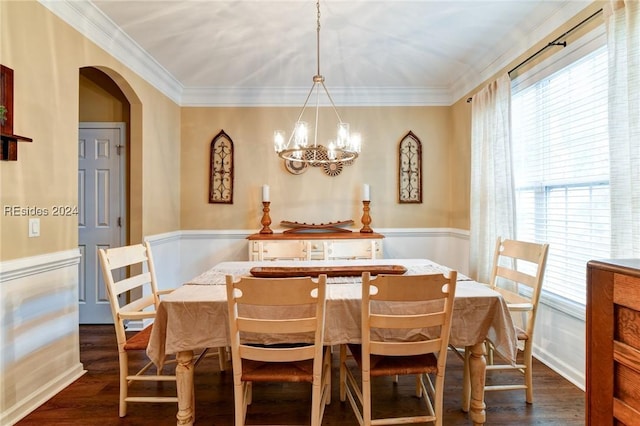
x: 623, y: 42
x: 492, y: 187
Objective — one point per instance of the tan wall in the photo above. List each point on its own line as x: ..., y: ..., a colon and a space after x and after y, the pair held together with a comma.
x: 460, y: 164
x: 46, y: 56
x: 314, y: 197
x: 100, y: 98
x: 170, y: 150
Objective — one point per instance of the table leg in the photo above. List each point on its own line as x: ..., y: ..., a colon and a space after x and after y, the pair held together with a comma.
x: 184, y: 384
x: 477, y: 371
x: 466, y: 381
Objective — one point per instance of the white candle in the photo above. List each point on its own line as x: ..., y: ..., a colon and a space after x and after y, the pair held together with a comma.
x: 265, y: 193
x: 366, y: 195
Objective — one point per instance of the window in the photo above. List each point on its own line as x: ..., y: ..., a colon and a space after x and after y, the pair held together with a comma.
x: 561, y: 162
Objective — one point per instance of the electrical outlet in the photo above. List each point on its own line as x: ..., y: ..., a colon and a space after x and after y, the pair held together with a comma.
x: 34, y: 227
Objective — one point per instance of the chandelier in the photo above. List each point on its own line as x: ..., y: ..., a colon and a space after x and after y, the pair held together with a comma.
x: 298, y: 148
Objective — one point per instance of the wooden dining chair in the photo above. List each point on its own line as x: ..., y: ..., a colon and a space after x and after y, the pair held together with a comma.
x: 393, y: 308
x: 276, y: 330
x: 350, y: 249
x: 517, y: 274
x: 284, y: 250
x: 136, y: 262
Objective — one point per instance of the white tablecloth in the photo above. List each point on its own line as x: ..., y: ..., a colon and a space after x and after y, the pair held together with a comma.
x: 195, y: 315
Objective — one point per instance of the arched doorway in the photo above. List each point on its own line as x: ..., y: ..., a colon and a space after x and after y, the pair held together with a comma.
x: 105, y: 182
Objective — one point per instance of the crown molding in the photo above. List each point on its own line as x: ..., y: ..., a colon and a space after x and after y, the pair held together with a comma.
x: 97, y: 27
x: 294, y: 96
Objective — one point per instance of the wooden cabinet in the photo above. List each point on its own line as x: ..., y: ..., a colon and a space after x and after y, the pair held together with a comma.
x: 319, y: 242
x: 613, y: 343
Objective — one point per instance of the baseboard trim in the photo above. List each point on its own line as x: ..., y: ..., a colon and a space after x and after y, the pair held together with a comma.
x: 45, y: 393
x: 565, y: 370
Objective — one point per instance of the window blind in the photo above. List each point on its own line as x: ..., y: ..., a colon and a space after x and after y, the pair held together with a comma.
x: 561, y: 170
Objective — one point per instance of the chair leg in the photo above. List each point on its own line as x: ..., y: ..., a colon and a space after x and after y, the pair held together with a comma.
x: 124, y: 385
x: 366, y: 398
x: 439, y: 398
x: 326, y: 371
x: 316, y: 402
x: 242, y: 407
x: 488, y: 347
x: 343, y: 372
x: 222, y: 358
x: 418, y: 385
x: 528, y: 371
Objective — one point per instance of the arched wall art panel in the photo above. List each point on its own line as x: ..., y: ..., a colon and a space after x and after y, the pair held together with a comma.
x: 221, y: 165
x: 410, y: 169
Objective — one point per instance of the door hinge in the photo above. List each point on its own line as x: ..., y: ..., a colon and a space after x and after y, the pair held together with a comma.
x: 118, y: 148
x: 120, y: 222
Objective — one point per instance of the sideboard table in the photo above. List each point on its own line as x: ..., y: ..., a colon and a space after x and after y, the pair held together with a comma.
x: 317, y: 240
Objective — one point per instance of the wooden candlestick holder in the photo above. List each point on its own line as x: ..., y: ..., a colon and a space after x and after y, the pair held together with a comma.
x: 266, y: 219
x: 366, y: 219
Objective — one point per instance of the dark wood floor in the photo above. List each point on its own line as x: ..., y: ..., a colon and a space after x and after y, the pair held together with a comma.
x: 93, y: 399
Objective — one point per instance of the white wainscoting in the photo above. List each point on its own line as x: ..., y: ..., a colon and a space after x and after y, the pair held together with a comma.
x: 182, y: 255
x: 559, y: 342
x: 40, y: 350
x: 445, y: 246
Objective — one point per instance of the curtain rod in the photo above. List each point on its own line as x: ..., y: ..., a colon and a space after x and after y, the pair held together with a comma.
x: 555, y: 42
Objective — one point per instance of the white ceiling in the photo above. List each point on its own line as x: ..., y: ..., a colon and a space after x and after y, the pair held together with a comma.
x: 263, y: 52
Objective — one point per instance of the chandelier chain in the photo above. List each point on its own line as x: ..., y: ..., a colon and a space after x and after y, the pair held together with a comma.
x: 344, y: 149
x: 318, y: 37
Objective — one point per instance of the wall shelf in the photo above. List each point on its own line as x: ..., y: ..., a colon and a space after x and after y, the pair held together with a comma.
x: 9, y: 145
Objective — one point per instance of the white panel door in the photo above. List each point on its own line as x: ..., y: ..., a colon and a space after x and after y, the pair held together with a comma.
x: 101, y: 211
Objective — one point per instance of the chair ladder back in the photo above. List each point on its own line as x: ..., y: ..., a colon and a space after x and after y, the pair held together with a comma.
x: 294, y: 293
x: 268, y: 292
x: 423, y: 304
x: 136, y: 263
x: 521, y: 259
x: 295, y: 299
x: 409, y: 289
x: 139, y: 307
x: 275, y: 326
x: 257, y: 353
x: 131, y: 283
x: 525, y: 266
x: 120, y: 257
x: 406, y: 321
x: 132, y: 257
x: 405, y: 348
x: 412, y: 288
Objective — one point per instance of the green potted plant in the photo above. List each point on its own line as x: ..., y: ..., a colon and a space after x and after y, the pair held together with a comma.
x: 3, y: 114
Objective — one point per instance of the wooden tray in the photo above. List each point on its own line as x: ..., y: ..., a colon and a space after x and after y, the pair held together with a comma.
x: 330, y: 271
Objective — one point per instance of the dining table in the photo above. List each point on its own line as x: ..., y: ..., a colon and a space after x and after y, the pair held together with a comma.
x: 195, y: 316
